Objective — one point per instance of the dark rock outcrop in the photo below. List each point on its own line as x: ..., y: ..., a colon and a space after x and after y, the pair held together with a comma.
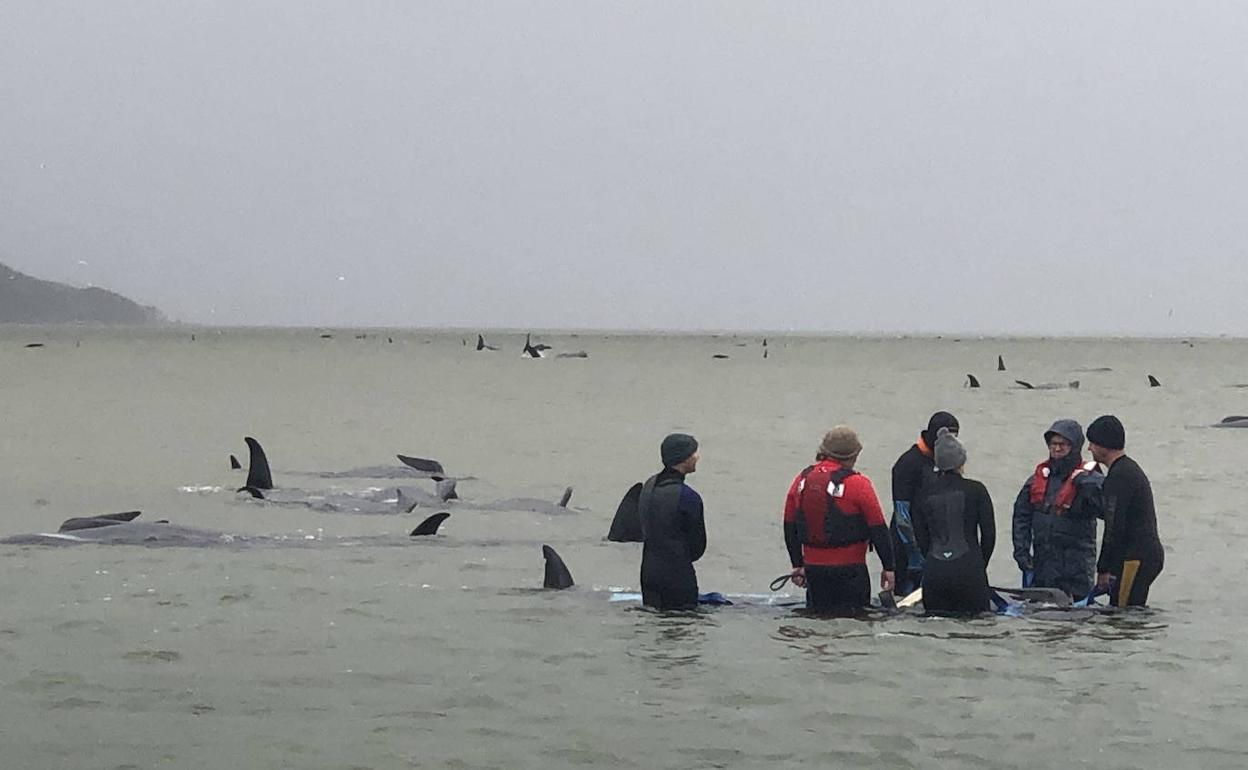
x: 28, y: 300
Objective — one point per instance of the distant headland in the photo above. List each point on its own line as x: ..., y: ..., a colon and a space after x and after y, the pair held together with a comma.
x: 28, y: 300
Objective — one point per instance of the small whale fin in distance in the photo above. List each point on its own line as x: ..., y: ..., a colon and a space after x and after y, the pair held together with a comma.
x: 1235, y: 420
x: 529, y: 350
x: 626, y: 526
x: 1000, y: 364
x: 557, y: 575
x: 1153, y: 382
x: 1026, y: 384
x: 421, y: 464
x: 430, y: 525
x: 567, y: 496
x: 1074, y: 384
x: 235, y: 465
x: 258, y: 475
x: 971, y: 381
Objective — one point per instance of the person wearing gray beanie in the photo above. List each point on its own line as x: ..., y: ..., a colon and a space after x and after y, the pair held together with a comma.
x: 956, y: 533
x: 673, y: 529
x: 1054, y: 521
x: 949, y: 453
x: 831, y: 514
x: 911, y: 472
x: 1131, y: 552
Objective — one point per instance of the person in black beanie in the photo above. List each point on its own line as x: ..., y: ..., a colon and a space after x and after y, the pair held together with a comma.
x: 1131, y: 551
x: 673, y: 532
x: 913, y: 469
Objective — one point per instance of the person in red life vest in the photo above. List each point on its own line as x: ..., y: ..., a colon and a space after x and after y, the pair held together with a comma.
x: 1055, y: 516
x: 831, y: 513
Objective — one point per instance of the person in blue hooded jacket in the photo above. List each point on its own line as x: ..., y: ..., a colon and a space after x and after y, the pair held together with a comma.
x: 1055, y: 516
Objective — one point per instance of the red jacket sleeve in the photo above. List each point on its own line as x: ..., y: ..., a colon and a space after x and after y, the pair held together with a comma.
x: 791, y: 500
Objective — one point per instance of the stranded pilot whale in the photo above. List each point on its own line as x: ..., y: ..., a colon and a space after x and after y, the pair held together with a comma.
x: 122, y: 529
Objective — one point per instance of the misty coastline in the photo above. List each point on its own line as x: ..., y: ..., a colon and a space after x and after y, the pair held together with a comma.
x: 25, y: 299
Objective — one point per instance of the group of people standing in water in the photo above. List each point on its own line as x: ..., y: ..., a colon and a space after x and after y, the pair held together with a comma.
x: 942, y: 533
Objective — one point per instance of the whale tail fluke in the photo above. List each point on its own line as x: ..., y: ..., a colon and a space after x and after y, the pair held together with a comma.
x: 258, y: 474
x: 557, y: 575
x: 430, y: 525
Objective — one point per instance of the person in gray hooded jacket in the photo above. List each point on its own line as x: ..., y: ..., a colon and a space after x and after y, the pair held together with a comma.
x: 1055, y: 516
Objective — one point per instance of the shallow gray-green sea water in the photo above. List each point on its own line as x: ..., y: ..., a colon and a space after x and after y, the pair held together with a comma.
x: 385, y: 653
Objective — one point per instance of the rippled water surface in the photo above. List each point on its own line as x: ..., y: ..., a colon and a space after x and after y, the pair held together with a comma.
x: 361, y: 649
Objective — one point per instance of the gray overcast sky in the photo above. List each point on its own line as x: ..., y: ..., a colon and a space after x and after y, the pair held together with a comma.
x: 987, y: 167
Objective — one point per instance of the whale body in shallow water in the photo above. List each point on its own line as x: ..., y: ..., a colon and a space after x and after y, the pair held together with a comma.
x: 1233, y: 421
x: 104, y: 530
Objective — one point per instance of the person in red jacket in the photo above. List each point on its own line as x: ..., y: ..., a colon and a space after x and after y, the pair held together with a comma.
x: 831, y: 513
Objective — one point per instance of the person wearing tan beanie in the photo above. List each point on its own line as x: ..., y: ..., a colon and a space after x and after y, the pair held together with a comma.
x: 831, y: 514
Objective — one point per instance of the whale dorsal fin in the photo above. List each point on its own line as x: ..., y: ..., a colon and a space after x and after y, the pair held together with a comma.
x: 258, y: 475
x: 626, y: 526
x: 430, y: 525
x: 557, y: 575
x: 421, y: 464
x: 95, y: 522
x: 1026, y: 384
x: 1153, y: 382
x: 1000, y: 364
x: 972, y: 382
x: 567, y: 496
x: 235, y: 465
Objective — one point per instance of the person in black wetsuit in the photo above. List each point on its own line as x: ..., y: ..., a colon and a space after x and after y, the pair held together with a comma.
x: 1131, y: 551
x: 672, y: 529
x: 954, y: 526
x: 911, y: 472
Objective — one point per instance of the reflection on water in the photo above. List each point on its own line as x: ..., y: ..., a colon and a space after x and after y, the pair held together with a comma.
x: 670, y: 640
